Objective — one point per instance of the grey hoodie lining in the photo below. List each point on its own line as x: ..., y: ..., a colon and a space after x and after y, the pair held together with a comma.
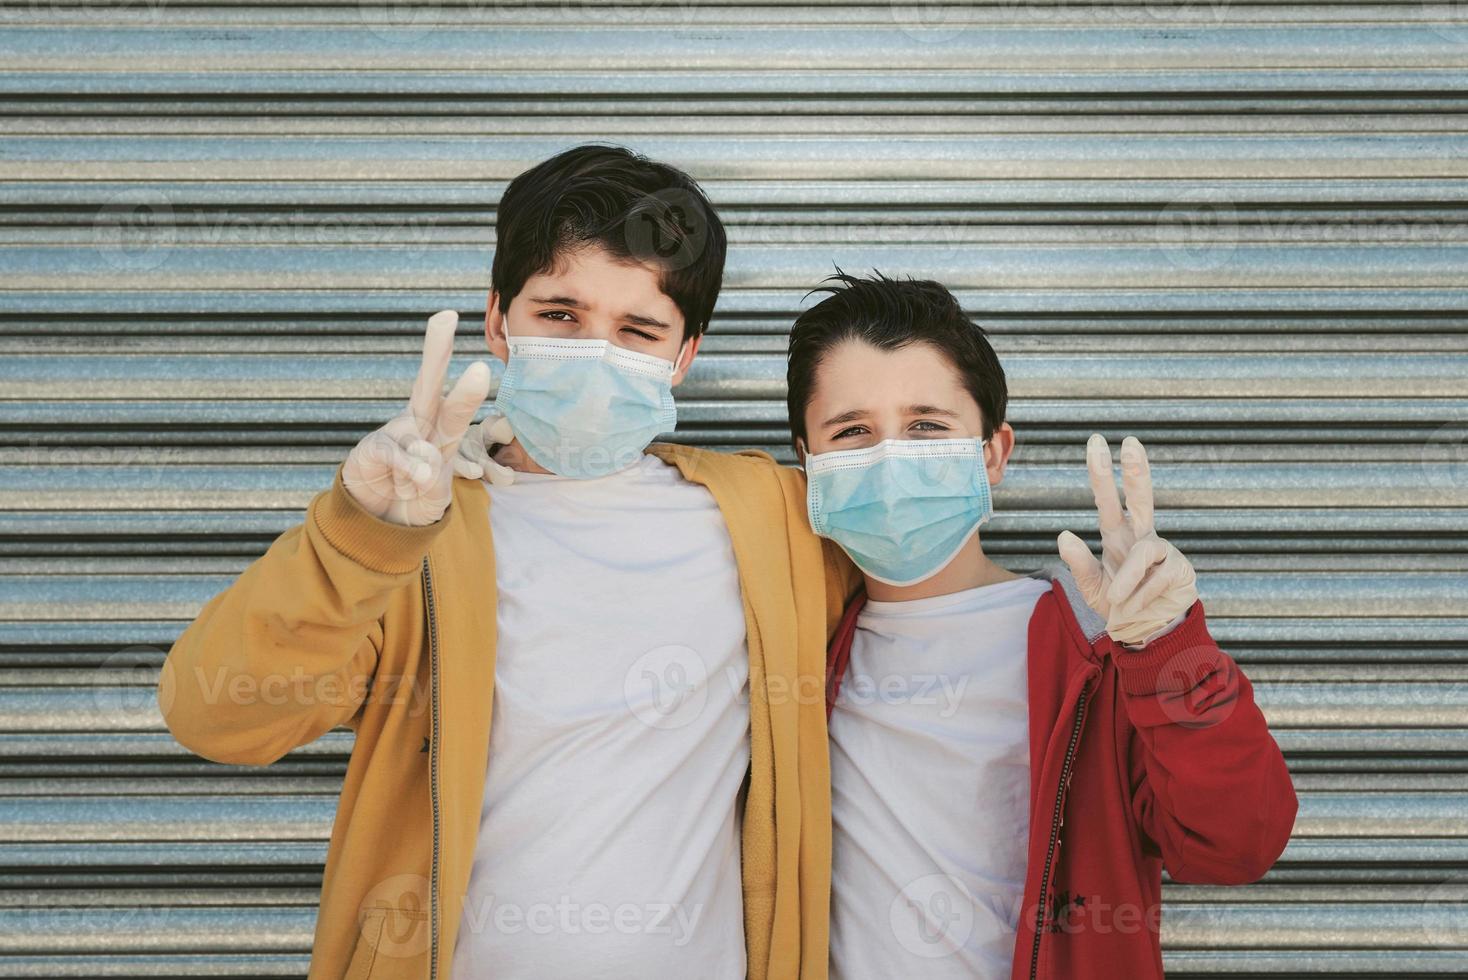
x: 1091, y: 623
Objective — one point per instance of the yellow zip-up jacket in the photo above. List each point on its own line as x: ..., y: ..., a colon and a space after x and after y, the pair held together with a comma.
x: 390, y: 630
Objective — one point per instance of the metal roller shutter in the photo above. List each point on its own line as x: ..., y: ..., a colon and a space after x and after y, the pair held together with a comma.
x: 1234, y: 230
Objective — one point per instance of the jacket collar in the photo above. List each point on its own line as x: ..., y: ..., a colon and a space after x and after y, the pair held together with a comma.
x: 1085, y: 624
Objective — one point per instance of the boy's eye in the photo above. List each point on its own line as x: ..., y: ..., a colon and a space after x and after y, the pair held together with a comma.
x: 641, y: 334
x: 552, y: 314
x: 850, y: 430
x: 927, y: 425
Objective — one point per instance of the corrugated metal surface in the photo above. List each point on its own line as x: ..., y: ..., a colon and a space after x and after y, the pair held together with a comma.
x: 1235, y: 230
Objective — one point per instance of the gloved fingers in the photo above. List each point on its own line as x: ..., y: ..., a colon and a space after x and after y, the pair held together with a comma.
x: 435, y: 466
x: 473, y: 460
x: 1133, y: 634
x: 417, y: 511
x: 1086, y: 569
x: 405, y: 489
x: 499, y: 432
x: 398, y: 448
x: 387, y: 469
x: 1158, y: 581
x: 438, y: 347
x: 1103, y: 484
x: 498, y: 474
x: 1144, y: 554
x: 472, y: 446
x: 1150, y: 606
x: 404, y: 429
x: 467, y: 468
x: 418, y: 448
x: 1163, y: 592
x: 495, y: 431
x: 458, y: 409
x: 1137, y: 630
x: 1136, y: 482
x: 1114, y: 549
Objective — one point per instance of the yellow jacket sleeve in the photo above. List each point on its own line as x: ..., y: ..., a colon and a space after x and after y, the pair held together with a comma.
x: 288, y: 651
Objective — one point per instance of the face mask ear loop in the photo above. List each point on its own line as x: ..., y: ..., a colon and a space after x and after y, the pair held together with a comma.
x: 505, y: 329
x: 679, y: 356
x: 984, y: 475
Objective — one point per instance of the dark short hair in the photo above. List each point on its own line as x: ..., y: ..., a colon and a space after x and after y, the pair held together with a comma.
x: 889, y: 314
x: 631, y: 206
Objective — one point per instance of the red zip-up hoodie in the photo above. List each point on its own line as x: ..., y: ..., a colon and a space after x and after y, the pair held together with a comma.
x: 1139, y: 760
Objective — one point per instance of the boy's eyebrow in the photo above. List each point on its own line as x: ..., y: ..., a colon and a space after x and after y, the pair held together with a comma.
x: 570, y: 301
x: 642, y: 319
x: 931, y: 410
x: 851, y: 416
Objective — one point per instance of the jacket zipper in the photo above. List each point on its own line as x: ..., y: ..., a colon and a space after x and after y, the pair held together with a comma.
x: 1056, y: 820
x: 432, y: 769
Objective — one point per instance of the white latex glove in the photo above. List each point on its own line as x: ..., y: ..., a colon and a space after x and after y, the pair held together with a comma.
x: 473, y: 459
x: 1142, y: 584
x: 401, y: 472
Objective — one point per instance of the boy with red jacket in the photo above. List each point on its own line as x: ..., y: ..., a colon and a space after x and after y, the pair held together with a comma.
x: 1014, y: 759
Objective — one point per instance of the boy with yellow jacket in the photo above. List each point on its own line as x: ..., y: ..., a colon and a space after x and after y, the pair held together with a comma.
x: 586, y: 688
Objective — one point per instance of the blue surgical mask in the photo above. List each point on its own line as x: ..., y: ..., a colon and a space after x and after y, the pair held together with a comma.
x: 584, y: 408
x: 901, y: 509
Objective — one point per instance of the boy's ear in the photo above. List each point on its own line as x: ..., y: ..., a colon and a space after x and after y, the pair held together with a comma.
x: 996, y: 455
x: 494, y: 328
x: 800, y: 450
x: 685, y: 359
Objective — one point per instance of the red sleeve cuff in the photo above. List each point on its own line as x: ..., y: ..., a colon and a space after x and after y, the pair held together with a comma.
x: 1173, y: 662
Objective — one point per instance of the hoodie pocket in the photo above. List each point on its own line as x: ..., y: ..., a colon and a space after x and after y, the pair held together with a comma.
x: 364, y: 953
x: 392, y: 944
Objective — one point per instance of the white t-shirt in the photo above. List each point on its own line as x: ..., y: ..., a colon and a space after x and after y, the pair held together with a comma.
x: 609, y: 835
x: 930, y: 786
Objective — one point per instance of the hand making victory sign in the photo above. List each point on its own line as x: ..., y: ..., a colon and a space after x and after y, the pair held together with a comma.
x: 1142, y: 583
x: 403, y: 472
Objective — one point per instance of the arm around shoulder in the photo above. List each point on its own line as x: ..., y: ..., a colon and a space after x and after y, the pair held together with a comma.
x: 843, y: 580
